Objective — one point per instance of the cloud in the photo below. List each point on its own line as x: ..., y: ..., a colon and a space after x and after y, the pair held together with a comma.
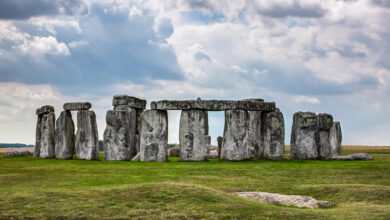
x: 44, y: 45
x: 308, y: 99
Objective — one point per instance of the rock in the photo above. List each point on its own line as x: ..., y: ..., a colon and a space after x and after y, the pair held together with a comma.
x: 207, y: 139
x: 174, y: 152
x: 255, y: 133
x: 252, y: 152
x: 219, y: 141
x: 325, y: 123
x: 136, y: 157
x: 358, y: 156
x: 45, y: 109
x: 64, y: 136
x: 335, y: 138
x: 87, y: 140
x: 37, y: 147
x: 154, y: 136
x: 272, y: 135
x: 291, y: 200
x: 47, y: 142
x: 75, y: 106
x: 118, y: 140
x: 138, y: 130
x: 211, y: 148
x: 303, y: 136
x: 130, y: 101
x: 235, y: 144
x: 213, y: 105
x: 132, y: 118
x: 212, y: 154
x: 17, y: 153
x: 192, y: 134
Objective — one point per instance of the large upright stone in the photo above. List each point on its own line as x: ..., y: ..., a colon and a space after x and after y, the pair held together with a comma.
x: 138, y: 129
x: 118, y: 139
x: 37, y: 147
x: 47, y: 143
x: 75, y: 106
x: 324, y: 124
x: 303, y: 136
x: 219, y: 141
x: 87, y: 139
x: 235, y: 145
x: 132, y: 114
x: 255, y: 132
x: 154, y: 136
x: 272, y: 135
x: 336, y: 138
x: 192, y: 135
x: 64, y: 137
x: 45, y: 109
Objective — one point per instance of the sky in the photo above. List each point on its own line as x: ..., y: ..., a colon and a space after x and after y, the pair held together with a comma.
x: 325, y: 56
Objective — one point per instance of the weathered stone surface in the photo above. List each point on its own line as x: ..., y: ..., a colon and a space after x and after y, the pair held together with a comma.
x: 138, y: 129
x: 47, y: 143
x: 325, y: 123
x: 64, y: 136
x: 211, y: 148
x: 358, y: 156
x: 235, y: 144
x: 213, y: 154
x: 219, y: 141
x: 130, y: 101
x: 75, y: 106
x: 303, y: 136
x: 118, y: 139
x: 206, y: 122
x: 154, y: 136
x: 213, y: 105
x: 335, y: 138
x: 37, y: 147
x: 133, y: 117
x: 279, y: 199
x: 174, y: 152
x: 87, y: 140
x: 192, y: 136
x: 255, y: 133
x: 136, y: 157
x: 207, y: 139
x: 45, y: 109
x: 18, y: 153
x: 272, y: 135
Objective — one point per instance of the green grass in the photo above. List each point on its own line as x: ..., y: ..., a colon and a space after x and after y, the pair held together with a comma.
x: 37, y: 188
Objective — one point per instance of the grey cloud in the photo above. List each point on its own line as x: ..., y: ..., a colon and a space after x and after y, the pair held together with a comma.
x: 24, y: 9
x: 382, y: 3
x: 294, y: 10
x: 202, y: 56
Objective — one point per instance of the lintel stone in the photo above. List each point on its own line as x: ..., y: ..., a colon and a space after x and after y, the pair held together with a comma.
x: 213, y: 105
x: 45, y: 109
x: 75, y: 106
x: 130, y: 101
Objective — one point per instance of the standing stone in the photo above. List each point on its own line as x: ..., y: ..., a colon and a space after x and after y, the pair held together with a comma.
x: 138, y: 130
x: 87, y: 139
x: 324, y: 124
x: 235, y: 145
x: 272, y: 135
x: 219, y: 141
x: 255, y: 132
x: 303, y: 136
x: 64, y: 137
x: 37, y: 147
x: 335, y: 138
x: 206, y: 122
x: 154, y: 136
x: 47, y: 143
x: 192, y: 135
x: 132, y: 118
x: 207, y: 139
x: 117, y: 136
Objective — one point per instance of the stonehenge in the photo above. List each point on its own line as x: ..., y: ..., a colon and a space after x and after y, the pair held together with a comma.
x: 45, y: 133
x: 64, y: 136
x: 87, y: 138
x: 324, y: 124
x: 272, y: 135
x: 335, y: 138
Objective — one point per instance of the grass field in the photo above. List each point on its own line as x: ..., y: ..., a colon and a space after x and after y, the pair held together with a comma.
x: 36, y: 188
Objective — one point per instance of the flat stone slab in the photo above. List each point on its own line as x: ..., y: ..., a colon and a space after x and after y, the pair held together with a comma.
x: 291, y: 200
x: 358, y: 156
x: 75, y: 106
x: 45, y: 109
x: 17, y: 153
x: 130, y: 101
x: 213, y: 105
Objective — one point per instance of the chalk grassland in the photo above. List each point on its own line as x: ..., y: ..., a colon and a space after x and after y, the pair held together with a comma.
x: 36, y: 188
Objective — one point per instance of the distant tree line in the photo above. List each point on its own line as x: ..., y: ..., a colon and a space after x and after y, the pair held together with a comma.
x: 16, y: 145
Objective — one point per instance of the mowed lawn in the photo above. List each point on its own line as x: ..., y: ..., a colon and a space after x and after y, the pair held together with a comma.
x: 38, y: 188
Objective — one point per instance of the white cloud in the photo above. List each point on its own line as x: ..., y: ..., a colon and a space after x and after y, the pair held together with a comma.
x: 44, y: 45
x: 76, y: 44
x: 308, y: 99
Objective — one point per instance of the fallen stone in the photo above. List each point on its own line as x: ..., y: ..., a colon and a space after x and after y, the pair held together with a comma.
x: 64, y: 136
x: 325, y: 123
x: 290, y: 200
x: 75, y: 106
x: 211, y: 148
x: 87, y: 139
x: 154, y: 136
x: 335, y: 138
x: 235, y: 144
x: 136, y: 157
x: 358, y: 156
x: 45, y: 109
x: 192, y: 135
x: 17, y: 153
x: 219, y: 141
x: 255, y: 133
x: 213, y: 154
x: 272, y: 135
x: 130, y: 101
x: 117, y: 138
x: 47, y: 142
x: 303, y: 136
x: 174, y: 152
x: 213, y: 105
